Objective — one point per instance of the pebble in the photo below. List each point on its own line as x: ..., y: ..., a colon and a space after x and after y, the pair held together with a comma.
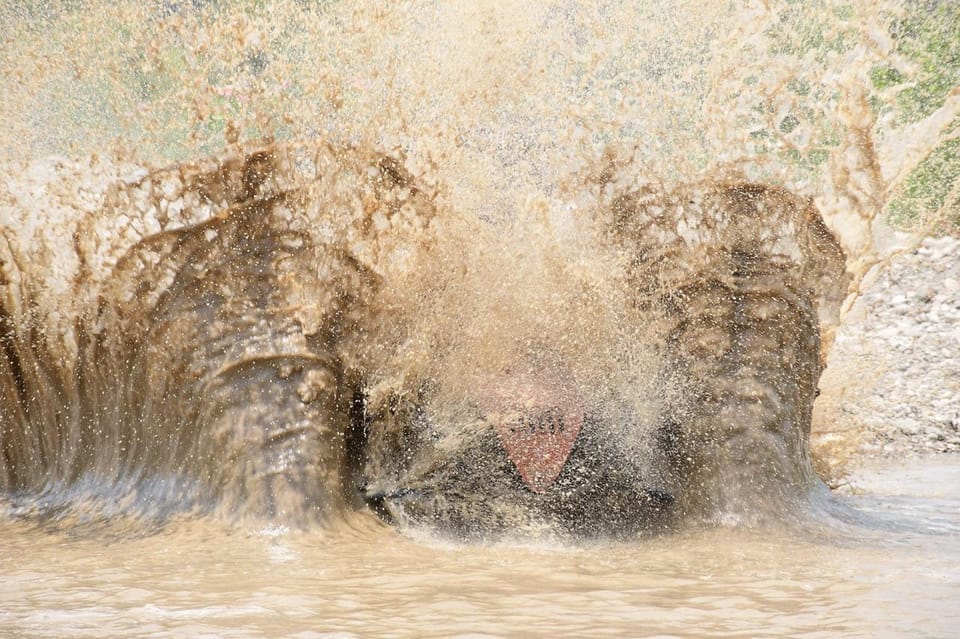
x: 909, y: 329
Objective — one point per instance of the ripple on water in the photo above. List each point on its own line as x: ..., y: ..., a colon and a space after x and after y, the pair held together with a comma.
x: 363, y: 580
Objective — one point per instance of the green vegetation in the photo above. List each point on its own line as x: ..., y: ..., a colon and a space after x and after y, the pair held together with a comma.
x: 928, y: 38
x: 170, y: 78
x: 928, y: 41
x: 930, y: 195
x: 907, y: 84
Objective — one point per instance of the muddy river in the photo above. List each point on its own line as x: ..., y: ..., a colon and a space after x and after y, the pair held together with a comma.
x: 896, y: 574
x: 522, y: 117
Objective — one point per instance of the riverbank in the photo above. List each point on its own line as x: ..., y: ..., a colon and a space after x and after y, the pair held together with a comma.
x: 892, y: 384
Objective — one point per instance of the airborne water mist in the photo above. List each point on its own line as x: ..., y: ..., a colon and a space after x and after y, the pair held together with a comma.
x: 300, y: 330
x: 453, y: 213
x: 539, y: 138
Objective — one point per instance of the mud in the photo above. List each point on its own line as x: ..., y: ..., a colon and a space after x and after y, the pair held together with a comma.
x: 294, y: 331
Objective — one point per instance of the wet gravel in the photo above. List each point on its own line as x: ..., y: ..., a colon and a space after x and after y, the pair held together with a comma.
x: 893, y: 377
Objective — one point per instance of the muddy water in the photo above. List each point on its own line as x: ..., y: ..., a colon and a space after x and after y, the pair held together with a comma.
x: 897, y: 576
x: 509, y: 109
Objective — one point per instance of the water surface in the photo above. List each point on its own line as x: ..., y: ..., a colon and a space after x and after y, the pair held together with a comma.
x: 509, y: 108
x: 898, y: 578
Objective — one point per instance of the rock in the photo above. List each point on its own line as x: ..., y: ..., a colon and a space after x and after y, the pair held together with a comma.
x: 908, y: 322
x: 910, y: 426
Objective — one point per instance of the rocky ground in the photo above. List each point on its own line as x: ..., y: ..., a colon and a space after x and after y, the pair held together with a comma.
x: 892, y: 386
